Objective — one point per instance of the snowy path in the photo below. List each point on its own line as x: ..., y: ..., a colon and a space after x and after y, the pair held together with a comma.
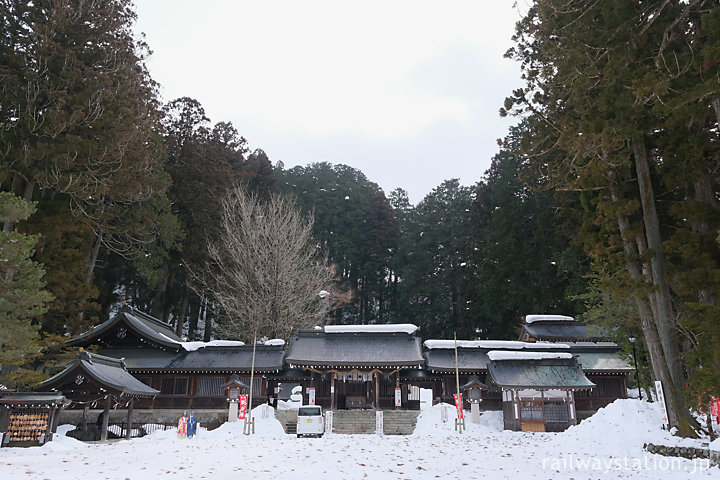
x: 593, y: 450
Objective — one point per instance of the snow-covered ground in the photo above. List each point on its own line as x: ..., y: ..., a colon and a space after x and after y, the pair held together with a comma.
x: 607, y: 445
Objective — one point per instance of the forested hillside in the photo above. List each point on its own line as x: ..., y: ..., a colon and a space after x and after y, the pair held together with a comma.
x: 602, y: 201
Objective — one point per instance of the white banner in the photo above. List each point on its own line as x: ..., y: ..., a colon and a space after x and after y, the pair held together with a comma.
x: 661, y: 401
x: 328, y: 421
x: 311, y: 395
x: 379, y: 422
x: 398, y: 397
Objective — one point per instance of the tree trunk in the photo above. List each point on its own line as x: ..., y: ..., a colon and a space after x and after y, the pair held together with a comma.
x: 704, y: 194
x: 158, y: 301
x: 92, y: 261
x: 658, y: 359
x: 26, y: 193
x: 194, y: 314
x: 181, y: 317
x: 207, y: 333
x: 665, y: 316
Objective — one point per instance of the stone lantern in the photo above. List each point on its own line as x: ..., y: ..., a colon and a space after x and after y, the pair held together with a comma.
x: 473, y: 389
x: 233, y: 389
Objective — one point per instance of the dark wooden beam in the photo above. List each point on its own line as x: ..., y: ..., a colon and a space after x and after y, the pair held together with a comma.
x: 131, y: 404
x: 106, y: 417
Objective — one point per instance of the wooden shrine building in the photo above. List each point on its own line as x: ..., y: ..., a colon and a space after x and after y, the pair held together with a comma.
x: 599, y: 359
x: 356, y: 366
x: 32, y: 417
x: 186, y: 374
x: 92, y: 379
x: 367, y: 366
x: 537, y: 388
x: 472, y: 363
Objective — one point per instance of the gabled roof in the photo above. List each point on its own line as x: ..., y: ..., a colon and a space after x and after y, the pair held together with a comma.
x: 543, y: 374
x: 472, y: 354
x: 469, y: 360
x: 473, y: 381
x: 388, y: 348
x: 554, y: 331
x: 28, y: 399
x: 220, y: 359
x: 230, y: 359
x: 129, y: 321
x: 603, y: 362
x: 90, y: 375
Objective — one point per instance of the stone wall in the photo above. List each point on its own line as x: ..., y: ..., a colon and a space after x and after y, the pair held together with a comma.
x: 684, y: 452
x: 209, y: 418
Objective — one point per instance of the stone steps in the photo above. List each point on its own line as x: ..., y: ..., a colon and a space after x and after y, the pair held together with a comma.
x: 395, y: 422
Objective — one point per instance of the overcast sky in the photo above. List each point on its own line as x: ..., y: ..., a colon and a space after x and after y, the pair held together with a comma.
x: 408, y: 92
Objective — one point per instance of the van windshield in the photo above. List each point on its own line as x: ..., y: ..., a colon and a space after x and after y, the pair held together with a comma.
x: 308, y: 411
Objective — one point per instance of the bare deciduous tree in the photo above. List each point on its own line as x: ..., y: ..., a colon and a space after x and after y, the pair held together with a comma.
x: 265, y: 271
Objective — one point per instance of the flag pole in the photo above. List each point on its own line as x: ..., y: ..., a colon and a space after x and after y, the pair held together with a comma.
x: 457, y: 385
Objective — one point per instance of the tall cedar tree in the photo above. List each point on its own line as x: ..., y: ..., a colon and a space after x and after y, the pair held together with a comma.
x: 22, y: 297
x: 598, y: 85
x: 434, y: 263
x: 77, y: 124
x: 204, y: 163
x: 351, y: 219
x: 523, y: 262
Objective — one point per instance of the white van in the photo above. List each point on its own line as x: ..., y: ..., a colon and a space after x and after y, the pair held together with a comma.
x: 310, y: 421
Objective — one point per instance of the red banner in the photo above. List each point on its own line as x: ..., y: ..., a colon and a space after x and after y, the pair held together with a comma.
x: 243, y: 404
x: 458, y: 405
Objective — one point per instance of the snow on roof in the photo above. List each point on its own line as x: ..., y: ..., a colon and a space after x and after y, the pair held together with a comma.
x: 275, y: 342
x: 193, y: 346
x: 384, y: 328
x: 492, y: 344
x: 548, y: 318
x: 592, y: 344
x: 504, y: 355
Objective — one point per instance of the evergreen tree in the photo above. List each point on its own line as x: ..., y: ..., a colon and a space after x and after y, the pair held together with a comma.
x: 340, y: 199
x: 601, y: 95
x: 22, y: 296
x: 435, y: 263
x: 520, y: 255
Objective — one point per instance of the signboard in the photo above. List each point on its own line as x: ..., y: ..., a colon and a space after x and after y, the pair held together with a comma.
x: 398, y: 397
x: 328, y: 421
x: 311, y: 395
x: 444, y: 413
x: 458, y: 405
x: 379, y: 422
x: 243, y: 406
x: 661, y: 401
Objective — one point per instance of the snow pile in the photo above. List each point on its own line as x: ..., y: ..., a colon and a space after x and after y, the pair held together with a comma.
x: 639, y: 421
x: 193, y: 346
x: 265, y: 424
x: 493, y: 344
x: 383, y: 328
x: 608, y: 445
x: 289, y: 405
x: 439, y: 420
x: 548, y: 318
x: 496, y: 355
